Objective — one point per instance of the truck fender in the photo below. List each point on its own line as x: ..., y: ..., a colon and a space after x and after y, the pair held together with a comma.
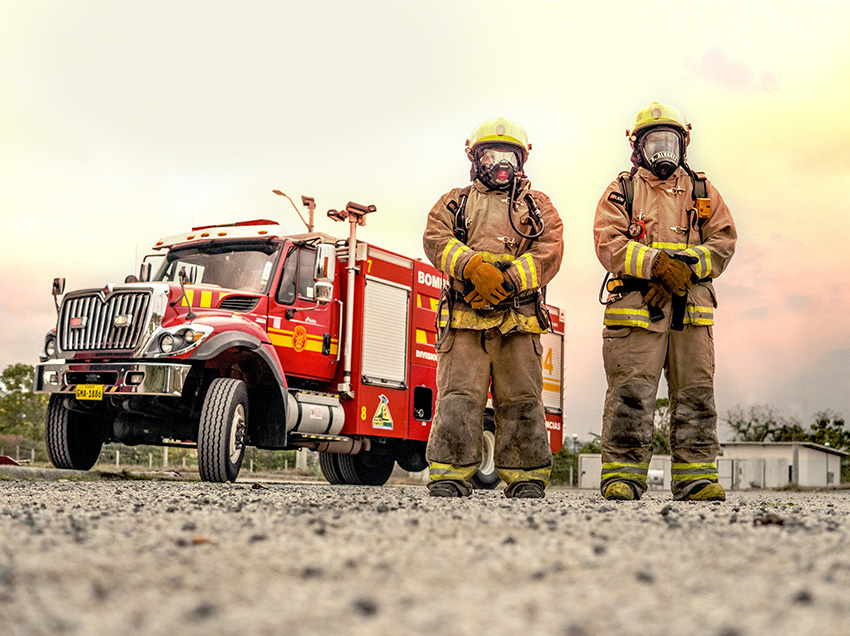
x: 220, y: 342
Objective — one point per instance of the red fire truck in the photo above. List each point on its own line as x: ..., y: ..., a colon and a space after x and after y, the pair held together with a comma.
x: 247, y: 336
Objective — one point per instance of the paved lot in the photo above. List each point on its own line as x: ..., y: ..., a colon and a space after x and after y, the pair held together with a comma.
x: 157, y: 557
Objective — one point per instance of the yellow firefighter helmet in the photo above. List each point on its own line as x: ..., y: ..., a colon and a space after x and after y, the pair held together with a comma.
x: 499, y: 130
x: 657, y: 114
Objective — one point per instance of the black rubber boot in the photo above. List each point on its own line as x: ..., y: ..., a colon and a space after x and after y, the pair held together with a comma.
x: 448, y: 488
x: 525, y: 490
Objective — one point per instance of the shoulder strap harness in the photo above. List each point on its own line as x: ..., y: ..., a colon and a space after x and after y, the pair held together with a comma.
x: 699, y: 194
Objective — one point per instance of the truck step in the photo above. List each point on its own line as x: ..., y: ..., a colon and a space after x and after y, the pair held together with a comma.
x: 316, y: 437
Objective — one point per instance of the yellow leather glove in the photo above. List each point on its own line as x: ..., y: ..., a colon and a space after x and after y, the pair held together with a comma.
x: 657, y: 295
x: 673, y: 274
x: 491, y: 284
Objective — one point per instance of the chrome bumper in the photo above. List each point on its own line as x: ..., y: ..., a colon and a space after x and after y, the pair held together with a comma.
x: 117, y: 378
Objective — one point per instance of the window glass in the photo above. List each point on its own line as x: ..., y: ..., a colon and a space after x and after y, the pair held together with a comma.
x: 297, y: 279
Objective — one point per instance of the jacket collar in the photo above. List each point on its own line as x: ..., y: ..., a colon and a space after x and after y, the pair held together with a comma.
x: 675, y: 179
x: 523, y: 189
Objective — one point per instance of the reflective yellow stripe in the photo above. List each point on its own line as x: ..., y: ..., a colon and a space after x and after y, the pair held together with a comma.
x: 440, y: 471
x: 635, y: 256
x: 452, y: 251
x: 669, y: 246
x: 624, y: 465
x: 693, y: 472
x: 682, y: 466
x: 525, y: 278
x: 513, y: 475
x: 713, y: 476
x: 703, y: 256
x: 699, y: 316
x: 617, y: 317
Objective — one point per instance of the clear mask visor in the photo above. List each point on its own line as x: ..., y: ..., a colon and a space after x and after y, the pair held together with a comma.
x: 661, y: 146
x: 492, y: 156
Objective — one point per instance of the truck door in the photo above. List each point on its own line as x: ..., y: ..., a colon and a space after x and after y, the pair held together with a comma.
x: 305, y: 333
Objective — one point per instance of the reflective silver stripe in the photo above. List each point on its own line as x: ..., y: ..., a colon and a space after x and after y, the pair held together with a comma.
x: 703, y: 267
x: 617, y: 469
x: 699, y: 316
x: 638, y: 261
x: 452, y: 251
x: 624, y: 317
x: 528, y: 272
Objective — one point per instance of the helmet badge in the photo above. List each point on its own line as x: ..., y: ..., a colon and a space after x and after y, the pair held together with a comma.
x: 501, y: 130
x: 656, y: 113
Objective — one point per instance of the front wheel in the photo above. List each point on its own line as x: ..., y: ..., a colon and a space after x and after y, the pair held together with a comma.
x: 73, y: 439
x: 222, y: 431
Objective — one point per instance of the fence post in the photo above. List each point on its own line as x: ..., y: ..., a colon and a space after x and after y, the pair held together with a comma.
x: 117, y: 457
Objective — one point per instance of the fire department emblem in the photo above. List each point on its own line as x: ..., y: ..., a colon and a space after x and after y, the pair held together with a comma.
x: 299, y: 338
x: 383, y: 418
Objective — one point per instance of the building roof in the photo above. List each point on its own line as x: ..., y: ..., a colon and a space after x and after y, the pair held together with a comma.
x: 820, y: 447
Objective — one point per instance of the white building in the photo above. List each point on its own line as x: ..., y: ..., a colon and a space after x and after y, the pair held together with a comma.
x: 744, y: 465
x: 775, y: 464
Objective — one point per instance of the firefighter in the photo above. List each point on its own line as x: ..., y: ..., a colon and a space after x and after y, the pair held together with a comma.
x: 664, y: 233
x: 499, y: 243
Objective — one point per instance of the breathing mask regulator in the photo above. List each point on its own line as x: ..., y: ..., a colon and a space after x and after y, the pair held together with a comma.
x: 660, y: 150
x: 496, y: 166
x: 499, y: 167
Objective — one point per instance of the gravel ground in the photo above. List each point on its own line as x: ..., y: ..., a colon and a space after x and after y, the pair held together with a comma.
x: 159, y: 557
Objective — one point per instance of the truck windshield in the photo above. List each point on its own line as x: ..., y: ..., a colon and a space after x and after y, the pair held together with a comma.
x: 241, y: 267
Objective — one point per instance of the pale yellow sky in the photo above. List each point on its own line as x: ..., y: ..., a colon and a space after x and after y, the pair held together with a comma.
x: 121, y: 122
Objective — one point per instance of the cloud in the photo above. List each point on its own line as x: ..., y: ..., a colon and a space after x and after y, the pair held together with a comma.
x: 717, y: 66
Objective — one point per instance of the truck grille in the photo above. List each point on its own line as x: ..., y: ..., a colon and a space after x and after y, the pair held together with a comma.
x: 92, y: 323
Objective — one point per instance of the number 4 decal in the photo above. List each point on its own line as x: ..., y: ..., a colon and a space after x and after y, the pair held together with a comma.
x: 547, y: 362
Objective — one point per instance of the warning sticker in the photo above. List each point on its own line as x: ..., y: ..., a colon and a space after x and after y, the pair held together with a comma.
x: 383, y: 418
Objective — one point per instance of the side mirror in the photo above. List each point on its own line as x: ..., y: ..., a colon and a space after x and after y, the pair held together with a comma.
x: 187, y: 277
x: 145, y: 272
x: 58, y: 290
x: 325, y: 272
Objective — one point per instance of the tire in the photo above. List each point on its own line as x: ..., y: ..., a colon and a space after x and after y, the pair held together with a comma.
x: 411, y: 457
x: 74, y: 440
x: 221, y: 434
x: 487, y: 478
x: 329, y: 463
x: 365, y: 469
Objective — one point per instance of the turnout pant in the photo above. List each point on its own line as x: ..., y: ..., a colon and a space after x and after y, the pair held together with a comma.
x: 469, y: 364
x: 634, y: 359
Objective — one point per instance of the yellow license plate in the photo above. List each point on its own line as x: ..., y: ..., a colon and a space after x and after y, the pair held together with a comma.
x: 89, y: 391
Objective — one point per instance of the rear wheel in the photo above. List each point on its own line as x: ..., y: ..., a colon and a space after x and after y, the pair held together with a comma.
x: 73, y: 439
x: 329, y: 463
x: 366, y: 469
x: 487, y: 477
x: 221, y: 434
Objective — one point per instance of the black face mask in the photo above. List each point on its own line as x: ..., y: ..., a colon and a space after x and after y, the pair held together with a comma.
x: 496, y: 168
x: 661, y: 151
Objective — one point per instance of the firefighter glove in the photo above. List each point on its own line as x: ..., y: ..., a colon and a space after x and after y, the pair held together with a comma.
x: 673, y: 274
x: 489, y: 281
x: 657, y: 295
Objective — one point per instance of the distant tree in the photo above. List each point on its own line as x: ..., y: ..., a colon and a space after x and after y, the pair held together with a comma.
x: 661, y: 427
x: 22, y: 412
x: 828, y: 429
x: 756, y: 424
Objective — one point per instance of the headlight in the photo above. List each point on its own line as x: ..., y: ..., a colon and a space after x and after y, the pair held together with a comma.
x: 175, y: 341
x: 166, y: 343
x: 50, y: 346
